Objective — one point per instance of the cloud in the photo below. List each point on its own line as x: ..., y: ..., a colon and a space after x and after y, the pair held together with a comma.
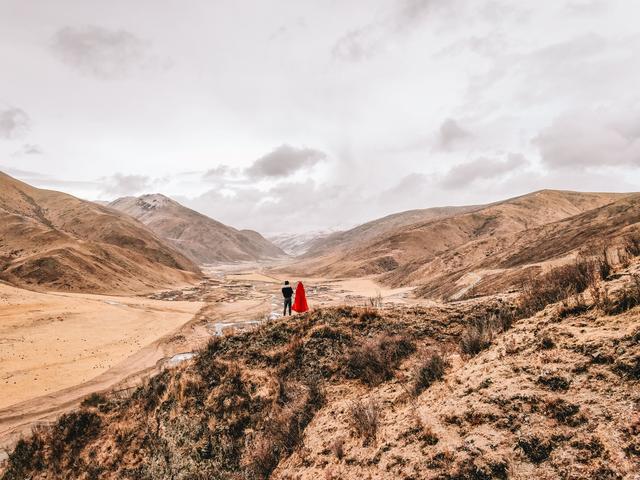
x: 28, y: 149
x: 284, y: 161
x: 482, y: 169
x: 450, y: 133
x: 42, y: 180
x: 31, y: 149
x: 216, y: 173
x: 121, y: 185
x: 100, y: 52
x: 14, y: 122
x: 357, y: 45
x: 366, y: 41
x: 591, y: 138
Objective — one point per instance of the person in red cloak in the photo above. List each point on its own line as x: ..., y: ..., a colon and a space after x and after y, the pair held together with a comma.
x: 300, y: 303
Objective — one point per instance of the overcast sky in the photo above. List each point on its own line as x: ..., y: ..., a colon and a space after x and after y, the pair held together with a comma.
x: 309, y: 114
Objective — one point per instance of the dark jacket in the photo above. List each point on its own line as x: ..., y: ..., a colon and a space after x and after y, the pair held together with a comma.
x: 287, y: 292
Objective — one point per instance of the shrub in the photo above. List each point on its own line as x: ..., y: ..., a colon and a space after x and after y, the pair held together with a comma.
x: 430, y: 370
x: 547, y: 343
x: 374, y: 361
x: 338, y: 448
x: 564, y: 412
x: 476, y: 337
x: 632, y: 246
x: 364, y: 418
x: 536, y: 449
x: 377, y: 301
x: 628, y: 297
x: 554, y: 382
x: 94, y: 400
x: 556, y: 285
x: 261, y: 457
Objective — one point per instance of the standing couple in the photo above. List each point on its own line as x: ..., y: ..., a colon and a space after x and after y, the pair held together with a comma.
x: 300, y: 304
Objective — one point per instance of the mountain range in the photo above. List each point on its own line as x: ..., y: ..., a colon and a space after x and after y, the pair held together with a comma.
x: 195, y: 235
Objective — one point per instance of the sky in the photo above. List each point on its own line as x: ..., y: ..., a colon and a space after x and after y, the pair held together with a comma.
x: 303, y: 115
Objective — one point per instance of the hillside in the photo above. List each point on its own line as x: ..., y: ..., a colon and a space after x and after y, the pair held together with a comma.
x: 470, y: 390
x: 437, y: 253
x: 55, y: 241
x: 297, y: 244
x: 369, y: 231
x: 197, y: 236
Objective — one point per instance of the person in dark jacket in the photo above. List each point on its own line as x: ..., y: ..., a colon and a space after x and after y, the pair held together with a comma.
x: 287, y: 293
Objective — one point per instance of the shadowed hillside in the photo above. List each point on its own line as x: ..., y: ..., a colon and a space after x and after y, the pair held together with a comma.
x: 197, y: 236
x: 52, y: 240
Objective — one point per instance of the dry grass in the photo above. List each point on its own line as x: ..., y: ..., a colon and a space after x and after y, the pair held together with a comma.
x: 557, y: 285
x: 429, y: 370
x: 476, y: 337
x: 364, y: 418
x: 375, y: 360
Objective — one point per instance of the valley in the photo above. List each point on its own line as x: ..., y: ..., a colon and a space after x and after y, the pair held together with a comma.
x: 58, y: 348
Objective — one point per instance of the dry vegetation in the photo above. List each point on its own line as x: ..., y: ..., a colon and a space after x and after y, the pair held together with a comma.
x: 545, y: 384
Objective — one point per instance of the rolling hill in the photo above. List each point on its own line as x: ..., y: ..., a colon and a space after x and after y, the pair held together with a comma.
x: 375, y: 228
x: 197, y: 236
x: 447, y: 256
x: 52, y: 240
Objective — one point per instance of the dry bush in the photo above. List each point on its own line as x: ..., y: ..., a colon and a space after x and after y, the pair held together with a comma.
x: 546, y: 342
x: 429, y: 370
x: 536, y: 449
x: 377, y: 301
x: 556, y: 285
x: 374, y: 361
x: 476, y: 337
x: 364, y: 418
x: 261, y: 457
x: 337, y: 447
x: 626, y: 299
x: 94, y: 400
x: 632, y: 245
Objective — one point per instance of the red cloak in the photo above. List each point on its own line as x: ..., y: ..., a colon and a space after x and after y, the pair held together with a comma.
x: 300, y: 304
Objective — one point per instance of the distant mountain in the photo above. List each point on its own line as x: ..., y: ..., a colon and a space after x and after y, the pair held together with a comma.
x: 55, y: 241
x: 370, y: 230
x: 299, y: 243
x: 197, y: 236
x: 448, y: 255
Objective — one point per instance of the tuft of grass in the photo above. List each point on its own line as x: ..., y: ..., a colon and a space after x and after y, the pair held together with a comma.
x: 374, y: 361
x: 337, y: 447
x: 476, y: 337
x: 556, y: 285
x: 364, y: 418
x: 430, y: 370
x: 535, y: 448
x: 94, y: 400
x: 627, y: 298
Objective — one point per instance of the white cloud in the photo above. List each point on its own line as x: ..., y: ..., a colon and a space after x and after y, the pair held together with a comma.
x: 14, y: 122
x: 591, y: 138
x: 101, y: 52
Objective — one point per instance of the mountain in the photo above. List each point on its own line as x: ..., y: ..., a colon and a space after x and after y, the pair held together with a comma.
x: 197, y: 236
x: 375, y: 228
x: 53, y: 240
x: 436, y: 254
x: 299, y: 243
